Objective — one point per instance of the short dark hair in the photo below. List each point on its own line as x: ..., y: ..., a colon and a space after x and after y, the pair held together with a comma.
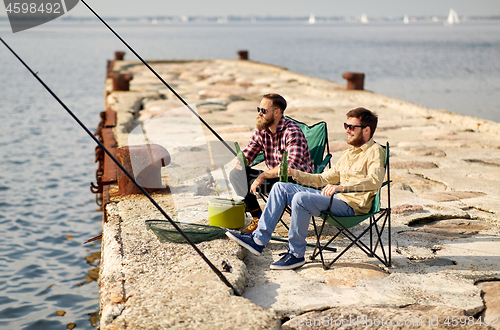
x: 278, y: 101
x: 366, y: 117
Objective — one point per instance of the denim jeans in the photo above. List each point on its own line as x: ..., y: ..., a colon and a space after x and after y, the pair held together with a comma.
x: 242, y: 181
x: 304, y: 202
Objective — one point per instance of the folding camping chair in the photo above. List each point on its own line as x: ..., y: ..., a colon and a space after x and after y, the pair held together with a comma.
x: 317, y: 141
x: 380, y: 219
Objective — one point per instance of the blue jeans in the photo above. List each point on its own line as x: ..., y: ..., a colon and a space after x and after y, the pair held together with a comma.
x: 304, y: 202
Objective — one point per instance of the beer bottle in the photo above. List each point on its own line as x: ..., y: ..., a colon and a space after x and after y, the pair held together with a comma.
x: 241, y: 156
x: 284, y: 168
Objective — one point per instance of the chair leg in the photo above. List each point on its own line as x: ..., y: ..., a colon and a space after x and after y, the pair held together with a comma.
x: 325, y: 247
x: 281, y: 218
x: 354, y: 240
x: 389, y: 235
x: 383, y: 226
x: 318, y: 236
x: 379, y: 239
x: 371, y: 236
x: 289, y: 211
x: 318, y: 246
x: 357, y: 240
x: 379, y: 231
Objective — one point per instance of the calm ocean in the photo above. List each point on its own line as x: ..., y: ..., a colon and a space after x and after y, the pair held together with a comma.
x: 47, y: 161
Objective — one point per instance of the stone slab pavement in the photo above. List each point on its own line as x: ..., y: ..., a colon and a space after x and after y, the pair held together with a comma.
x: 445, y: 199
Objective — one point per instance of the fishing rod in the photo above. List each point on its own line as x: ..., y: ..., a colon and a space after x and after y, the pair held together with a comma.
x: 161, y: 79
x: 202, y: 255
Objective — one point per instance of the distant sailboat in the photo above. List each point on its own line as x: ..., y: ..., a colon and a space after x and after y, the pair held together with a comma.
x: 452, y: 18
x: 364, y: 19
x: 312, y: 19
x: 222, y: 20
x: 406, y: 20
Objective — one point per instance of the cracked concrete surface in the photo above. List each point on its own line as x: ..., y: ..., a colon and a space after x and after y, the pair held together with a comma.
x: 445, y: 233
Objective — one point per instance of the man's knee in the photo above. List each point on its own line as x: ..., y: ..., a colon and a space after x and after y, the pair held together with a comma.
x: 279, y: 186
x: 301, y: 199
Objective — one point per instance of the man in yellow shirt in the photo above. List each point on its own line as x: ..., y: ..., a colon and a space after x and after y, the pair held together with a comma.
x: 359, y: 171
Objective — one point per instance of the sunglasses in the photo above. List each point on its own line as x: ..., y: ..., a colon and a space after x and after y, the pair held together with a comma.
x: 352, y: 127
x: 264, y: 111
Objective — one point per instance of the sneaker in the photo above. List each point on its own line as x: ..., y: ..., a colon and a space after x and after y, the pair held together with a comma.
x: 246, y: 240
x: 252, y: 225
x: 288, y: 261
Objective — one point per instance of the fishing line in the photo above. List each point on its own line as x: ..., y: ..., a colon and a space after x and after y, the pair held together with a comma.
x: 215, y: 269
x: 161, y: 79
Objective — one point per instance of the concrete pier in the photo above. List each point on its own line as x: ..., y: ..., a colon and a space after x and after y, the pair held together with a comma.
x: 445, y: 199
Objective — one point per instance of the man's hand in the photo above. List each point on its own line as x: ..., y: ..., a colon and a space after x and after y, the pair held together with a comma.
x: 236, y: 163
x: 269, y: 174
x: 257, y: 183
x: 331, y: 189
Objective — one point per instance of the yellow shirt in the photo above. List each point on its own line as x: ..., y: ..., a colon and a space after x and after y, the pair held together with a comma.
x: 359, y: 170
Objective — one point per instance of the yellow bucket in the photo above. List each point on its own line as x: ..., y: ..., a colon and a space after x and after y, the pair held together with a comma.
x: 226, y: 212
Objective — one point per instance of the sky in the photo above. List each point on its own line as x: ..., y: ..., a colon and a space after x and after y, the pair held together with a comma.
x: 127, y: 8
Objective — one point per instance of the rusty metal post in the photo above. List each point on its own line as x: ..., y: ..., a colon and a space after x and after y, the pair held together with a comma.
x: 144, y: 162
x: 121, y: 80
x: 243, y: 54
x: 119, y: 55
x: 109, y: 68
x: 355, y: 80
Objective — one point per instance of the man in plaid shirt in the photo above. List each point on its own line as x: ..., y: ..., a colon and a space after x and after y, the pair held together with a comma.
x: 273, y: 135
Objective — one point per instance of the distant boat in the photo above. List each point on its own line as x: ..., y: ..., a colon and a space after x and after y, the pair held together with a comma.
x: 154, y: 21
x: 452, y: 18
x: 222, y: 20
x: 364, y: 19
x: 406, y: 20
x: 312, y: 19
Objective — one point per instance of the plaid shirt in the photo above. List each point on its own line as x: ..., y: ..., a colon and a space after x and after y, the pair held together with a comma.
x: 288, y: 136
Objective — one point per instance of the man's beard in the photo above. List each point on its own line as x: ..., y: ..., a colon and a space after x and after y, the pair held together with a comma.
x: 356, y: 141
x: 263, y: 123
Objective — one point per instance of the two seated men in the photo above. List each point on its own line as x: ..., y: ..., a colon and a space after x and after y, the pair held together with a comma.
x: 359, y: 171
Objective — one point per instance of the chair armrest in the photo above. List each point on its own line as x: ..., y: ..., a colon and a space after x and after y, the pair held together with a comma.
x: 321, y: 167
x: 259, y: 159
x: 362, y: 191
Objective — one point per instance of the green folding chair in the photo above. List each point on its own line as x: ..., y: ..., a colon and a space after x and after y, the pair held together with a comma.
x: 317, y: 141
x: 379, y: 221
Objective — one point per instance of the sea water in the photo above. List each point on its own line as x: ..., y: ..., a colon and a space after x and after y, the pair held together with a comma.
x: 47, y: 161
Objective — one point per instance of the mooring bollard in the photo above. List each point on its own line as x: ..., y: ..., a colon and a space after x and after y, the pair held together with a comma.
x: 121, y: 80
x: 355, y: 80
x: 144, y: 163
x: 243, y: 54
x: 118, y: 57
